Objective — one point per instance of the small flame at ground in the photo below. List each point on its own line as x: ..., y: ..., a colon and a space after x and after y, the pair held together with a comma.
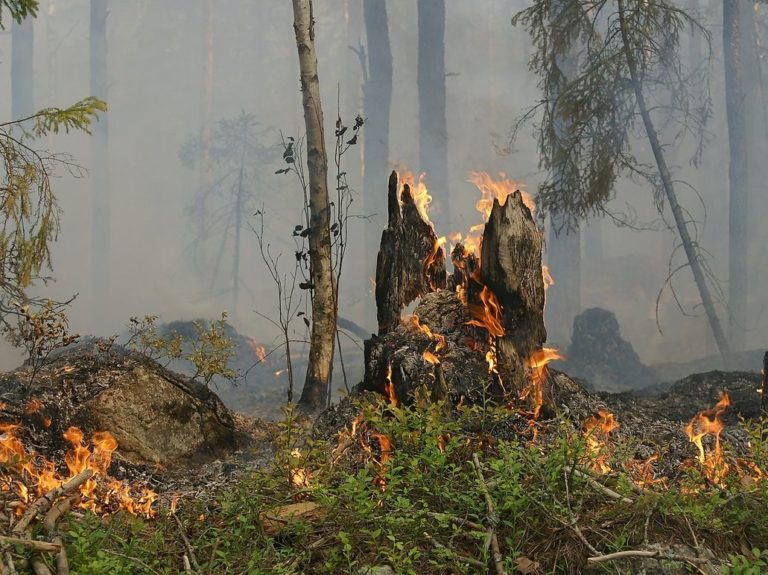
x: 101, y: 494
x: 390, y: 387
x: 537, y: 366
x: 709, y: 422
x: 597, y: 430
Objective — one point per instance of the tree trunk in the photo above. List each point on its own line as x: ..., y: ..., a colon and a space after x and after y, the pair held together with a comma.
x: 433, y: 132
x: 377, y: 102
x: 100, y: 197
x: 321, y: 274
x: 239, y: 209
x: 564, y: 296
x: 564, y: 247
x: 737, y: 173
x: 22, y: 69
x: 691, y: 251
x: 206, y: 111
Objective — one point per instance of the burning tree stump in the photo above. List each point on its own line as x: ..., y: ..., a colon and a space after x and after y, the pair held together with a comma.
x: 411, y: 262
x: 484, y: 334
x: 510, y: 267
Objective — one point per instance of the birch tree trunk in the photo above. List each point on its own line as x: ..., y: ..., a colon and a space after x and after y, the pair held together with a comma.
x: 324, y: 303
x: 100, y: 203
x: 737, y: 172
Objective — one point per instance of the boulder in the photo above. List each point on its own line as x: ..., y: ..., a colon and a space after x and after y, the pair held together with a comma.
x: 158, y: 417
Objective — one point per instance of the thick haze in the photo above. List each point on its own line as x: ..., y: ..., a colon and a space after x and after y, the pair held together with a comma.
x: 156, y: 62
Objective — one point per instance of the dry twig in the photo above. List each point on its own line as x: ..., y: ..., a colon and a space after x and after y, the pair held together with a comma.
x: 43, y: 546
x: 44, y: 502
x: 190, y: 550
x: 498, y: 558
x: 460, y: 558
x: 646, y: 554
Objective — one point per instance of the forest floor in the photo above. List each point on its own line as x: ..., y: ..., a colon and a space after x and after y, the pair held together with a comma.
x: 611, y: 484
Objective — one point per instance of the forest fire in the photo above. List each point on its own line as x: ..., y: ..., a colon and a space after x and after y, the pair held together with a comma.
x: 30, y: 475
x: 419, y: 192
x: 709, y: 422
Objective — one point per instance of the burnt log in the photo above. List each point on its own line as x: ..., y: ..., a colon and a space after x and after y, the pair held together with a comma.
x: 410, y: 263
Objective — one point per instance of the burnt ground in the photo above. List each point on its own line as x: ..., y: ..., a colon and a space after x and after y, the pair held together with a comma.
x: 69, y: 387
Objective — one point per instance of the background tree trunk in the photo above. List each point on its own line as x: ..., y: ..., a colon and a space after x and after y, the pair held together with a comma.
x: 323, y: 305
x: 206, y: 108
x: 433, y: 131
x: 22, y: 69
x: 691, y: 250
x: 737, y: 173
x: 101, y: 220
x: 377, y: 103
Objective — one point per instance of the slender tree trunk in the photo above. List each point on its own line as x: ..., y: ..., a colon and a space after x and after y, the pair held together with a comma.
x: 239, y: 208
x: 321, y: 273
x: 691, y: 250
x: 564, y: 247
x: 735, y: 100
x: 433, y: 131
x: 206, y: 112
x: 564, y: 297
x: 377, y: 94
x: 22, y: 69
x: 101, y: 240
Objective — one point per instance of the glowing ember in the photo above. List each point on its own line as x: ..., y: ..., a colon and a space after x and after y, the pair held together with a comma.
x: 537, y: 366
x: 597, y: 430
x: 709, y: 422
x: 101, y: 493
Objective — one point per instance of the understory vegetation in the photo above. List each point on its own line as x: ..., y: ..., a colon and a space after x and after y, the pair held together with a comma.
x: 403, y: 489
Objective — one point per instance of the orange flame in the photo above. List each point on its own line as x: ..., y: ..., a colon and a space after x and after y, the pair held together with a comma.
x: 537, y: 366
x: 100, y: 494
x: 258, y: 349
x: 709, y: 422
x: 390, y: 387
x: 597, y: 429
x: 487, y: 315
x: 419, y: 193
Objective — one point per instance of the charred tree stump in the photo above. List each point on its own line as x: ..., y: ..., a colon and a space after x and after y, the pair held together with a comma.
x: 410, y: 263
x: 478, y: 338
x: 510, y: 267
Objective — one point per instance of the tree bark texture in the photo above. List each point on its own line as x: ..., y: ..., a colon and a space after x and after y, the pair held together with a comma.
x: 691, y: 250
x: 101, y: 233
x: 377, y: 94
x: 735, y: 103
x: 433, y: 131
x: 22, y: 68
x: 510, y: 266
x: 410, y: 263
x: 324, y: 302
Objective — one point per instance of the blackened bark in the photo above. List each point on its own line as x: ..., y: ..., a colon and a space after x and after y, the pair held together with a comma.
x: 433, y: 131
x: 410, y: 263
x: 313, y: 395
x: 737, y: 173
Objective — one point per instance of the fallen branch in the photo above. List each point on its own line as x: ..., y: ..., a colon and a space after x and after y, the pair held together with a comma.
x: 599, y: 486
x: 43, y: 546
x: 190, y: 550
x: 39, y: 567
x: 44, y: 502
x: 647, y: 555
x: 498, y: 558
x: 50, y: 522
